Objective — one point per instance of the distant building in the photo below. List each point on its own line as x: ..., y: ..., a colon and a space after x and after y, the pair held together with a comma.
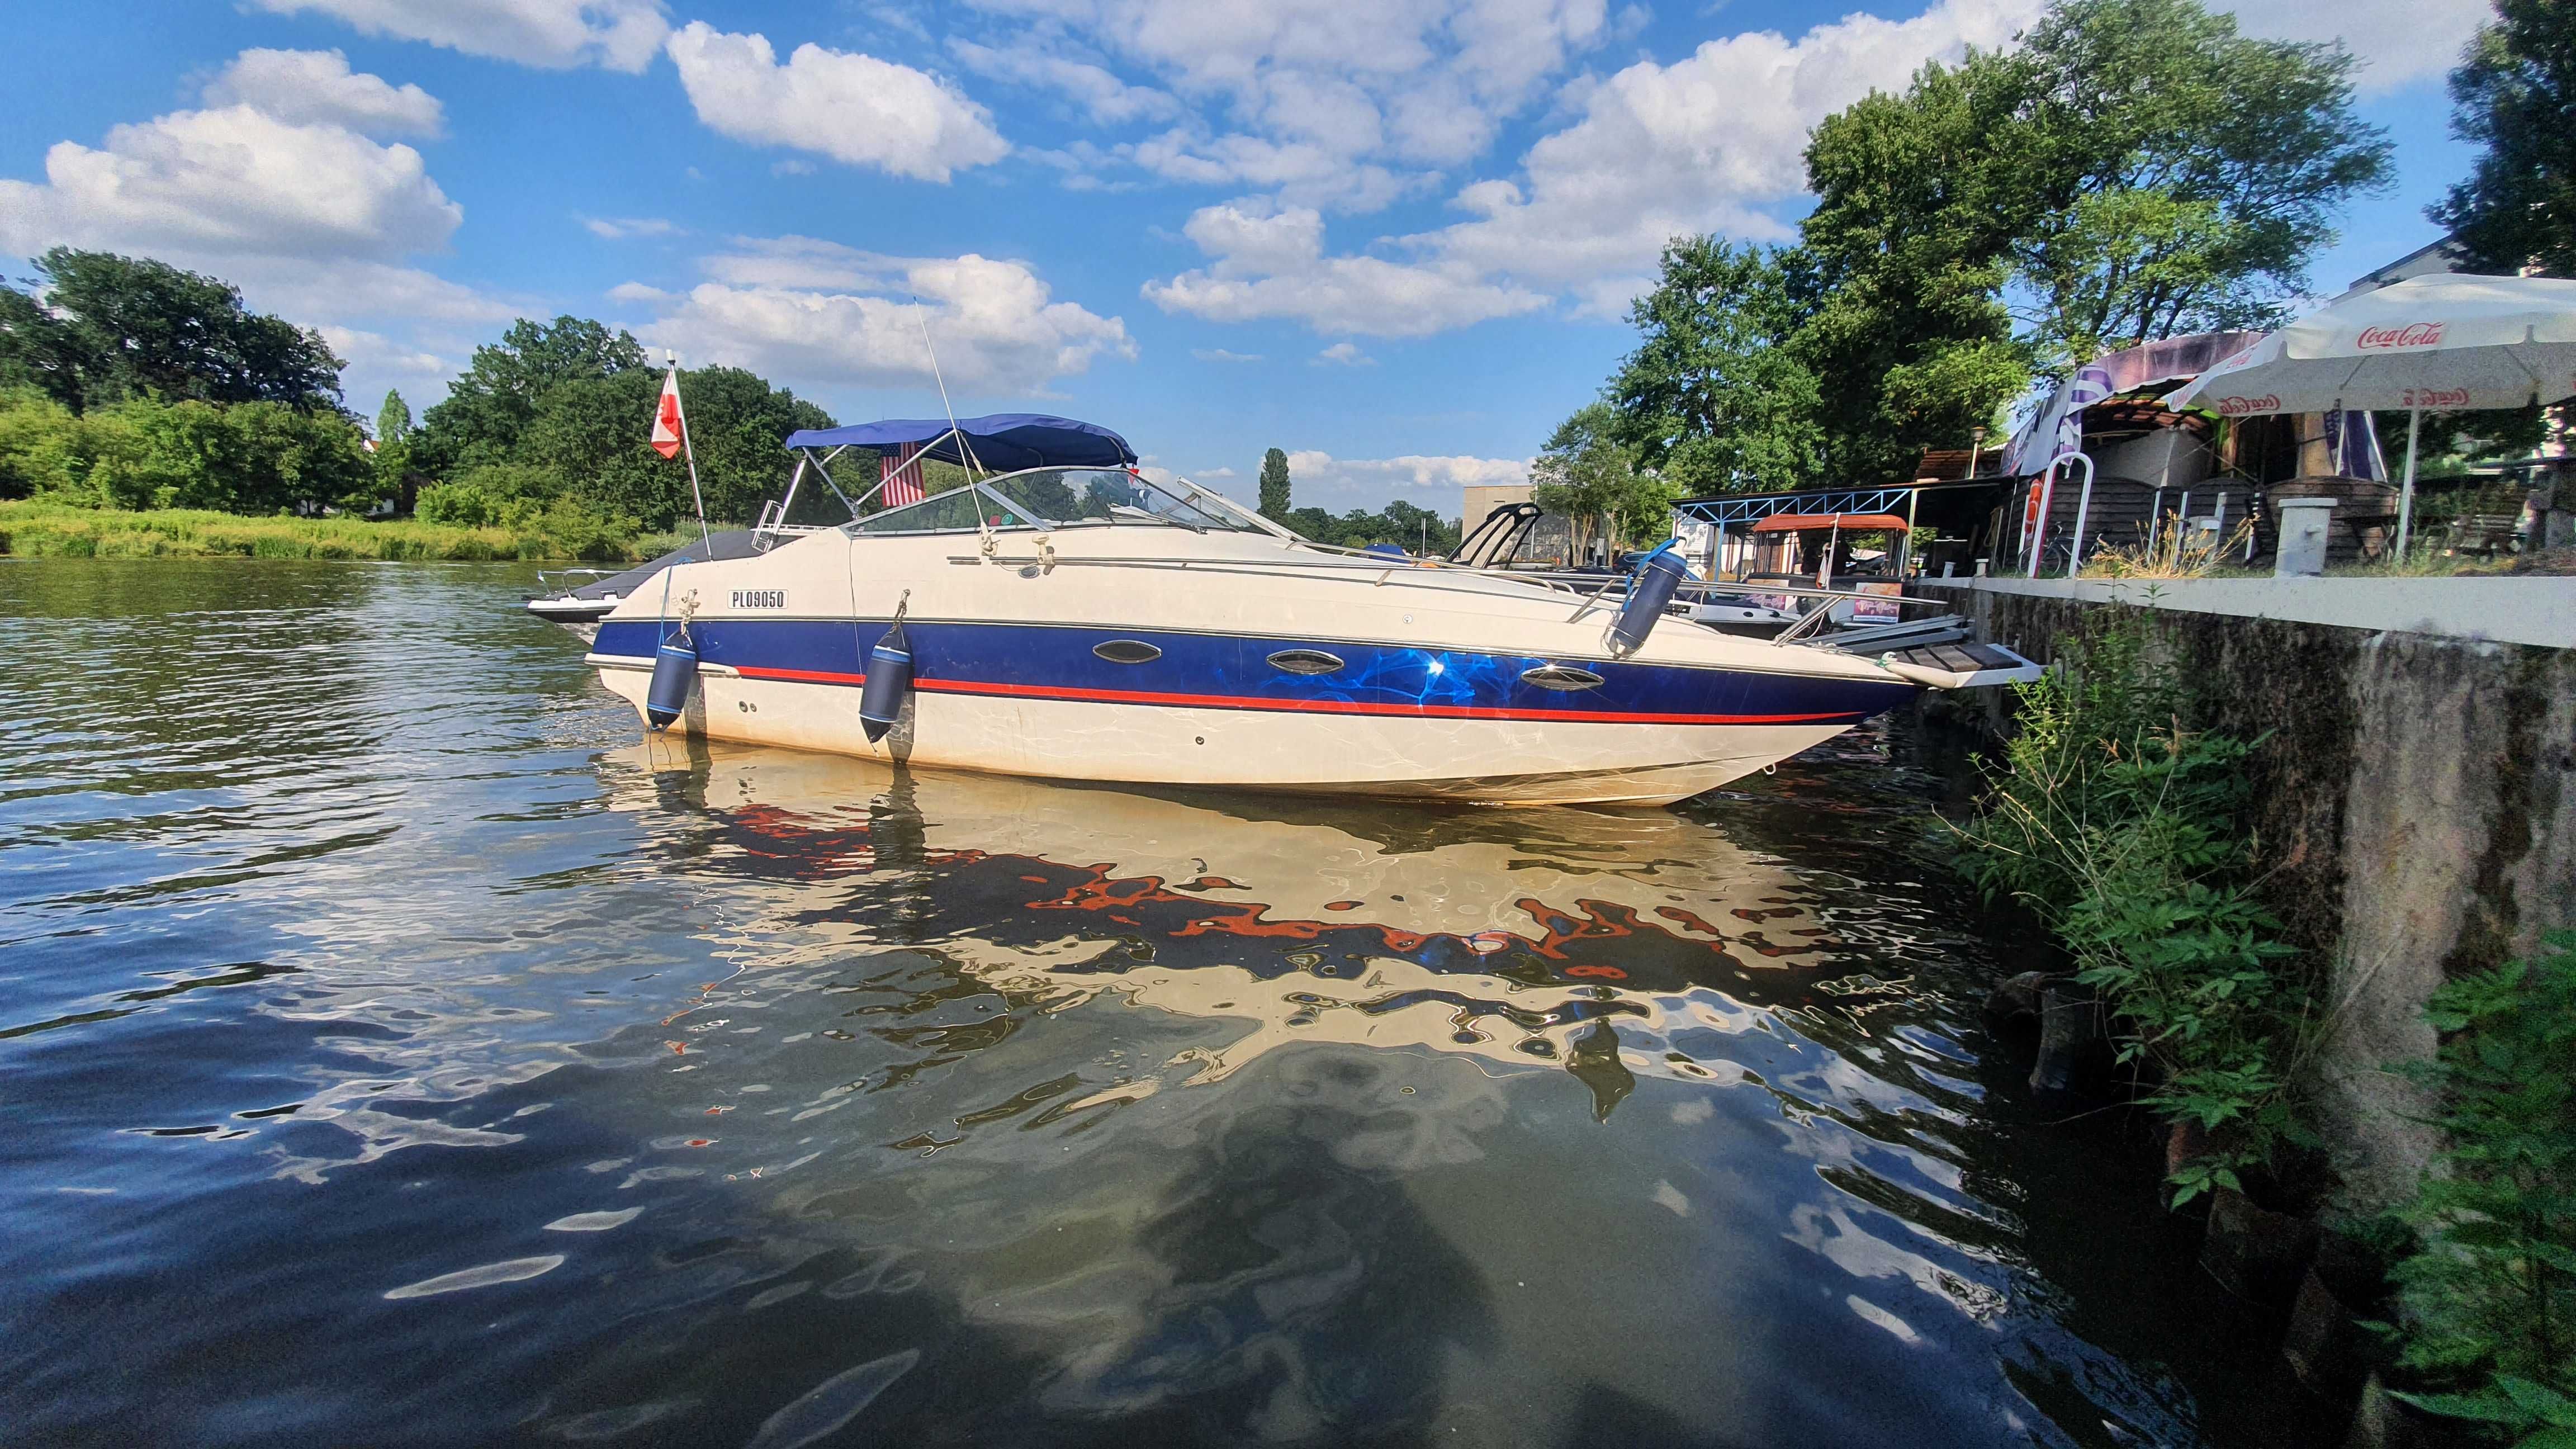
x: 1484, y: 498
x: 2427, y: 260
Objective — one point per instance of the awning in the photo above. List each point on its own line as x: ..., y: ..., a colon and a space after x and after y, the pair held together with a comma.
x: 1849, y: 522
x: 1004, y: 442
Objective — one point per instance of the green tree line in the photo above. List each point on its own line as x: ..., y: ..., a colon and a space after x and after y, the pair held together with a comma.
x: 2125, y: 170
x: 1415, y: 529
x: 129, y: 383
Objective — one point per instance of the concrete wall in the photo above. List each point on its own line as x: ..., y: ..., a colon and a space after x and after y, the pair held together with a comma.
x: 2414, y: 809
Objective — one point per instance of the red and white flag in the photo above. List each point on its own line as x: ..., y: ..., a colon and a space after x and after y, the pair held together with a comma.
x: 901, y: 477
x: 666, y: 417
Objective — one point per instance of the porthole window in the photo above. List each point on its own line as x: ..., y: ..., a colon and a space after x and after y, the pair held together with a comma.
x: 1127, y: 651
x: 1305, y: 661
x: 1562, y: 677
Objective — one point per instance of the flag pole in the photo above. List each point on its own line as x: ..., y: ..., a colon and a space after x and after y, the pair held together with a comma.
x: 695, y: 495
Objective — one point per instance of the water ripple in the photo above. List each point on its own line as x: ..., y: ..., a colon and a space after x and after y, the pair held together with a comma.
x: 697, y: 1094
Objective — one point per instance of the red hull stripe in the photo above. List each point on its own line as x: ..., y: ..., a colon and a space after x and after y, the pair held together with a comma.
x: 1304, y: 706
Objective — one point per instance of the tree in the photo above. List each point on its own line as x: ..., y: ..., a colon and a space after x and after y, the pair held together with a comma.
x: 2132, y: 169
x: 1407, y: 525
x: 1274, y: 486
x: 594, y: 434
x: 496, y: 398
x: 1592, y: 475
x: 2184, y: 173
x: 37, y: 349
x: 1901, y: 266
x: 393, y: 420
x: 1713, y: 399
x: 2513, y: 95
x: 100, y: 328
x: 392, y: 458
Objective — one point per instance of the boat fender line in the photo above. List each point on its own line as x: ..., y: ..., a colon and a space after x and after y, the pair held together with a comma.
x: 675, y: 671
x: 889, y: 677
x: 1649, y: 589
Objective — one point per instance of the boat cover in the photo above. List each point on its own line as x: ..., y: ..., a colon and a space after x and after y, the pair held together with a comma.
x: 1004, y: 442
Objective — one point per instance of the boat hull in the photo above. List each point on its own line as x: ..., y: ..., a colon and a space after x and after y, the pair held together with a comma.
x: 1148, y: 654
x: 1392, y: 721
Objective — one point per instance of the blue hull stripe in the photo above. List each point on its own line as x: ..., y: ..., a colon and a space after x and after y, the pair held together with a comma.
x: 1221, y: 671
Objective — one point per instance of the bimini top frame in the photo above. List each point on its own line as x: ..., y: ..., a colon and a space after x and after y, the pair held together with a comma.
x: 996, y: 442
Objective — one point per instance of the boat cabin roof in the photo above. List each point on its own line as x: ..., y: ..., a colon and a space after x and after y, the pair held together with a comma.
x: 999, y: 442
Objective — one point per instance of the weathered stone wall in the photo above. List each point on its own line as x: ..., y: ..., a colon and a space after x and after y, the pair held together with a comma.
x: 2414, y: 819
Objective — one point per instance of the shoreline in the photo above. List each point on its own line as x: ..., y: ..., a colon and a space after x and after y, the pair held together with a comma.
x: 35, y: 528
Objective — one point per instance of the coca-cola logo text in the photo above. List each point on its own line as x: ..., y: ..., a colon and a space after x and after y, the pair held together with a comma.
x: 2436, y: 397
x: 2413, y: 334
x: 2237, y: 407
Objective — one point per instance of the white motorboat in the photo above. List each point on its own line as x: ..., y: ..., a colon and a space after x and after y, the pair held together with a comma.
x: 1069, y: 618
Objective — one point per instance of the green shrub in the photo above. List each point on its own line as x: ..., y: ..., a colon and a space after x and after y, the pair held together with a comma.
x: 2490, y: 1296
x: 2119, y: 828
x: 244, y: 457
x: 494, y: 495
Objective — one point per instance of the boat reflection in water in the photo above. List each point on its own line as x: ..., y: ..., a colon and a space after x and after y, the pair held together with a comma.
x: 1176, y: 1119
x: 1480, y: 933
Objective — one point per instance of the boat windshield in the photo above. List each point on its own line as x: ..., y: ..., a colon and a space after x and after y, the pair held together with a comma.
x: 1071, y: 497
x: 956, y: 510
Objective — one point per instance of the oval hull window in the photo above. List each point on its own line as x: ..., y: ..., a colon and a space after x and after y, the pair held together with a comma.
x: 1305, y: 661
x: 1127, y: 651
x: 1562, y: 677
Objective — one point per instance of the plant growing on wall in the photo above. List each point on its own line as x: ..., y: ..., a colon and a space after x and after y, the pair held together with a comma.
x: 2119, y: 828
x: 2490, y: 1296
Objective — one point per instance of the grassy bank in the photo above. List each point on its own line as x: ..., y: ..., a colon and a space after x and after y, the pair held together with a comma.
x: 37, y: 529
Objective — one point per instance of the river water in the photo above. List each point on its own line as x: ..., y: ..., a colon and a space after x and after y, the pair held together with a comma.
x: 397, y: 1050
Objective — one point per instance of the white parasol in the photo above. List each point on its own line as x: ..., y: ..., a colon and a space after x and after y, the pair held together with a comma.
x: 2443, y: 342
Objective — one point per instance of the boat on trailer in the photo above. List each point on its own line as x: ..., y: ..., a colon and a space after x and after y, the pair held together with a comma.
x: 1061, y: 615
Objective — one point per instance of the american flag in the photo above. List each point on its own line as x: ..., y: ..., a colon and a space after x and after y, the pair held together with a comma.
x: 902, y: 483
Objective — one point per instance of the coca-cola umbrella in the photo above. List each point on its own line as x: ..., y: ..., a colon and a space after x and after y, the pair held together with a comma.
x: 2445, y: 342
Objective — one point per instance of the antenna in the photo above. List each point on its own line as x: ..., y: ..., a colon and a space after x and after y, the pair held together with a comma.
x: 922, y: 320
x: 965, y: 449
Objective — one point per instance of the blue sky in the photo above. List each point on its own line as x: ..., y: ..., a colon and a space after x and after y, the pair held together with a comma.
x: 1393, y: 238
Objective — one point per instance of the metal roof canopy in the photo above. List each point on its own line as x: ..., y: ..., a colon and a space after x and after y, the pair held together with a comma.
x: 1819, y: 522
x: 1732, y: 508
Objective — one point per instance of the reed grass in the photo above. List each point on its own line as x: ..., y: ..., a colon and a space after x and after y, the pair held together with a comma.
x: 36, y: 528
x: 2177, y: 552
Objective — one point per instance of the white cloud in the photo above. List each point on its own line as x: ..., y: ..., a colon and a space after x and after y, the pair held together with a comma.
x: 817, y: 313
x: 853, y: 108
x: 1320, y: 479
x: 2400, y: 42
x: 232, y: 182
x: 377, y: 354
x: 1269, y: 262
x: 1332, y: 103
x: 1210, y: 475
x: 1345, y: 354
x: 640, y: 292
x: 317, y: 86
x: 1101, y: 94
x: 343, y: 289
x: 311, y: 220
x: 1299, y: 172
x: 555, y: 34
x: 618, y: 228
x: 1697, y: 145
x: 1702, y: 144
x: 1219, y: 354
x: 1410, y: 471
